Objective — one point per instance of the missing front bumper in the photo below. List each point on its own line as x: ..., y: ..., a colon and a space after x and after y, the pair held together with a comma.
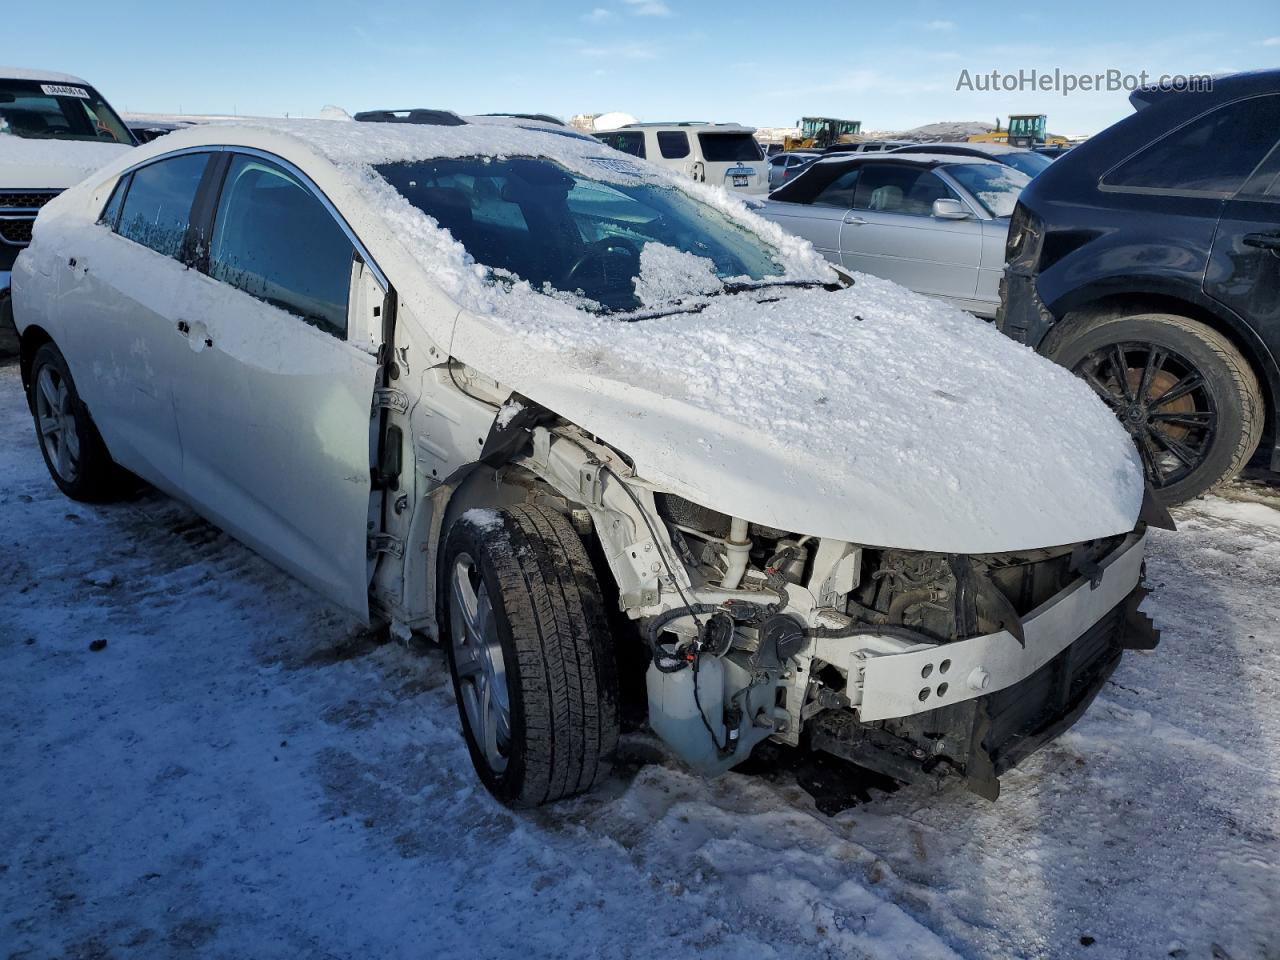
x: 977, y: 740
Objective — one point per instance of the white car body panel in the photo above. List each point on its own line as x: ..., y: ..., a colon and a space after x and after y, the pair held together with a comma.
x: 273, y: 415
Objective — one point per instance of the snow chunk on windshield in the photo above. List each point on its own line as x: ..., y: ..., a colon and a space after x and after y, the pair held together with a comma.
x: 668, y: 275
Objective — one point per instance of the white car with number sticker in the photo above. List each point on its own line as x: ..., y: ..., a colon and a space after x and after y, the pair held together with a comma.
x: 55, y: 129
x: 575, y: 416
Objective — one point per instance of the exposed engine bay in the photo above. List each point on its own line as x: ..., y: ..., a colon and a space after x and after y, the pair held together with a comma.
x: 780, y: 658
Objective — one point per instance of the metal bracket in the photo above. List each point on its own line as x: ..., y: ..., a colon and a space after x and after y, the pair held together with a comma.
x: 386, y: 543
x: 389, y: 398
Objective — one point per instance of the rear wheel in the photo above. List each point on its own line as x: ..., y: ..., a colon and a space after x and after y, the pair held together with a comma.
x: 1183, y: 391
x: 72, y: 448
x: 530, y: 655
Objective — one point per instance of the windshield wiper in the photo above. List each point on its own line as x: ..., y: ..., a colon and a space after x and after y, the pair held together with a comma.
x: 768, y: 284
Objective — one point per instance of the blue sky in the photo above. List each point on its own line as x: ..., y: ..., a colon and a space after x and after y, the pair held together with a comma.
x: 892, y: 65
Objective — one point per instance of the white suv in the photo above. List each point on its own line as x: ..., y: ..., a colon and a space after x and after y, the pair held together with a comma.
x: 576, y: 416
x: 55, y: 129
x: 721, y: 154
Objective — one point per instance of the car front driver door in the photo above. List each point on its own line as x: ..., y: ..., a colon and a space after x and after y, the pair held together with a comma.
x: 891, y: 232
x: 274, y: 405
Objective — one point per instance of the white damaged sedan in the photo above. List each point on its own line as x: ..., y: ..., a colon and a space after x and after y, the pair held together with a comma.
x: 502, y: 386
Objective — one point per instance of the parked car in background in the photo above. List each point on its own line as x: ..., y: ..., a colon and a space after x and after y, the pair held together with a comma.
x: 786, y: 166
x: 935, y: 224
x: 866, y: 146
x: 55, y: 129
x: 1148, y: 261
x: 424, y: 371
x: 1028, y: 161
x: 721, y: 154
x: 146, y: 131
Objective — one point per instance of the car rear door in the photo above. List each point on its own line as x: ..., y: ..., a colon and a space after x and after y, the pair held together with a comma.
x: 118, y: 294
x: 274, y: 402
x: 1244, y: 265
x: 891, y: 232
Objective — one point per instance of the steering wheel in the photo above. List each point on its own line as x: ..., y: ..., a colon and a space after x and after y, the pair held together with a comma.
x: 602, y: 252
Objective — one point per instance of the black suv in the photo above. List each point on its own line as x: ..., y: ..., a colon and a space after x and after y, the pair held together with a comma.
x: 1147, y: 260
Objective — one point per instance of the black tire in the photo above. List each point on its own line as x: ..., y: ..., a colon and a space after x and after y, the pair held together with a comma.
x: 1215, y: 428
x: 557, y: 657
x: 94, y: 477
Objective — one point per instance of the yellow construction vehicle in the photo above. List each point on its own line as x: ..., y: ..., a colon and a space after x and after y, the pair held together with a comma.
x: 821, y: 132
x: 1024, y: 130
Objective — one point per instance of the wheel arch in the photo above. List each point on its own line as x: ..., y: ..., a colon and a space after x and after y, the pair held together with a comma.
x: 1087, y: 304
x: 31, y: 340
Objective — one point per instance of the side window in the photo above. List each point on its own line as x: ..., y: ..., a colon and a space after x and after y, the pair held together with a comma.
x: 275, y: 240
x: 673, y: 144
x: 1212, y: 154
x: 839, y: 192
x: 111, y: 212
x: 157, y: 204
x: 899, y: 188
x: 628, y: 141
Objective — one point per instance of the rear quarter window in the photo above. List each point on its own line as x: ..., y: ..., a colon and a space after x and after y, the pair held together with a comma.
x: 1211, y: 155
x: 673, y: 144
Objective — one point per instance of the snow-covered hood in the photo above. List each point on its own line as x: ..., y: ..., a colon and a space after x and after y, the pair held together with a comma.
x: 872, y: 415
x: 51, y: 164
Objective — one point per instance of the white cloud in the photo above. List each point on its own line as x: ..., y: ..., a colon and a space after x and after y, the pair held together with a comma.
x: 621, y: 51
x: 648, y: 8
x: 941, y: 26
x: 1271, y: 42
x: 598, y: 15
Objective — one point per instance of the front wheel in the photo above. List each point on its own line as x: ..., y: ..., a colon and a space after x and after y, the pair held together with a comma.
x: 529, y: 652
x: 1182, y: 390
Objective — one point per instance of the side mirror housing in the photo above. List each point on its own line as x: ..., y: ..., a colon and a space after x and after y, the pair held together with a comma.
x: 949, y: 209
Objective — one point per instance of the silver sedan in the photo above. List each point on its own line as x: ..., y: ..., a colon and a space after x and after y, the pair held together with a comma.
x: 935, y: 224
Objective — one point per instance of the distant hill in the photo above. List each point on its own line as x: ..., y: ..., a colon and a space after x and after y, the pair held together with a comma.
x: 946, y: 130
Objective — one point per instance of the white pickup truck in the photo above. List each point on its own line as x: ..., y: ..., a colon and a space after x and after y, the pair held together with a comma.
x: 55, y: 130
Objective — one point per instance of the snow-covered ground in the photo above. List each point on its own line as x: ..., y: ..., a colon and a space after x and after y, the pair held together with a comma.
x: 241, y: 772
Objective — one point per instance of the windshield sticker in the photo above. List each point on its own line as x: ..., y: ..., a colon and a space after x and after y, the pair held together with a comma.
x: 61, y: 90
x: 615, y: 165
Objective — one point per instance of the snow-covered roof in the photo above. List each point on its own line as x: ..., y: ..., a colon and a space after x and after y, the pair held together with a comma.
x: 995, y: 149
x: 701, y: 126
x: 41, y: 76
x: 921, y: 158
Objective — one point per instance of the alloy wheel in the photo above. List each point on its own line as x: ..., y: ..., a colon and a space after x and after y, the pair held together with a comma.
x: 57, y: 423
x: 1161, y: 399
x: 478, y: 660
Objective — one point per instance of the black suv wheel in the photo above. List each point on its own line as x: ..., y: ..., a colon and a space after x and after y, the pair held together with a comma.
x: 1185, y: 394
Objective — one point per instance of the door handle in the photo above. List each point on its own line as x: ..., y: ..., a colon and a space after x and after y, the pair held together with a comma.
x: 184, y: 328
x: 854, y: 220
x: 1264, y: 241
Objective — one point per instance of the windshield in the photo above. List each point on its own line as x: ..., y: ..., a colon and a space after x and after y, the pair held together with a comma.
x: 728, y: 147
x: 1029, y: 162
x: 994, y: 185
x: 58, y: 111
x: 531, y: 219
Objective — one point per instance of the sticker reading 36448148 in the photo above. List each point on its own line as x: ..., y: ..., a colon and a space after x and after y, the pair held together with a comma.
x: 62, y: 90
